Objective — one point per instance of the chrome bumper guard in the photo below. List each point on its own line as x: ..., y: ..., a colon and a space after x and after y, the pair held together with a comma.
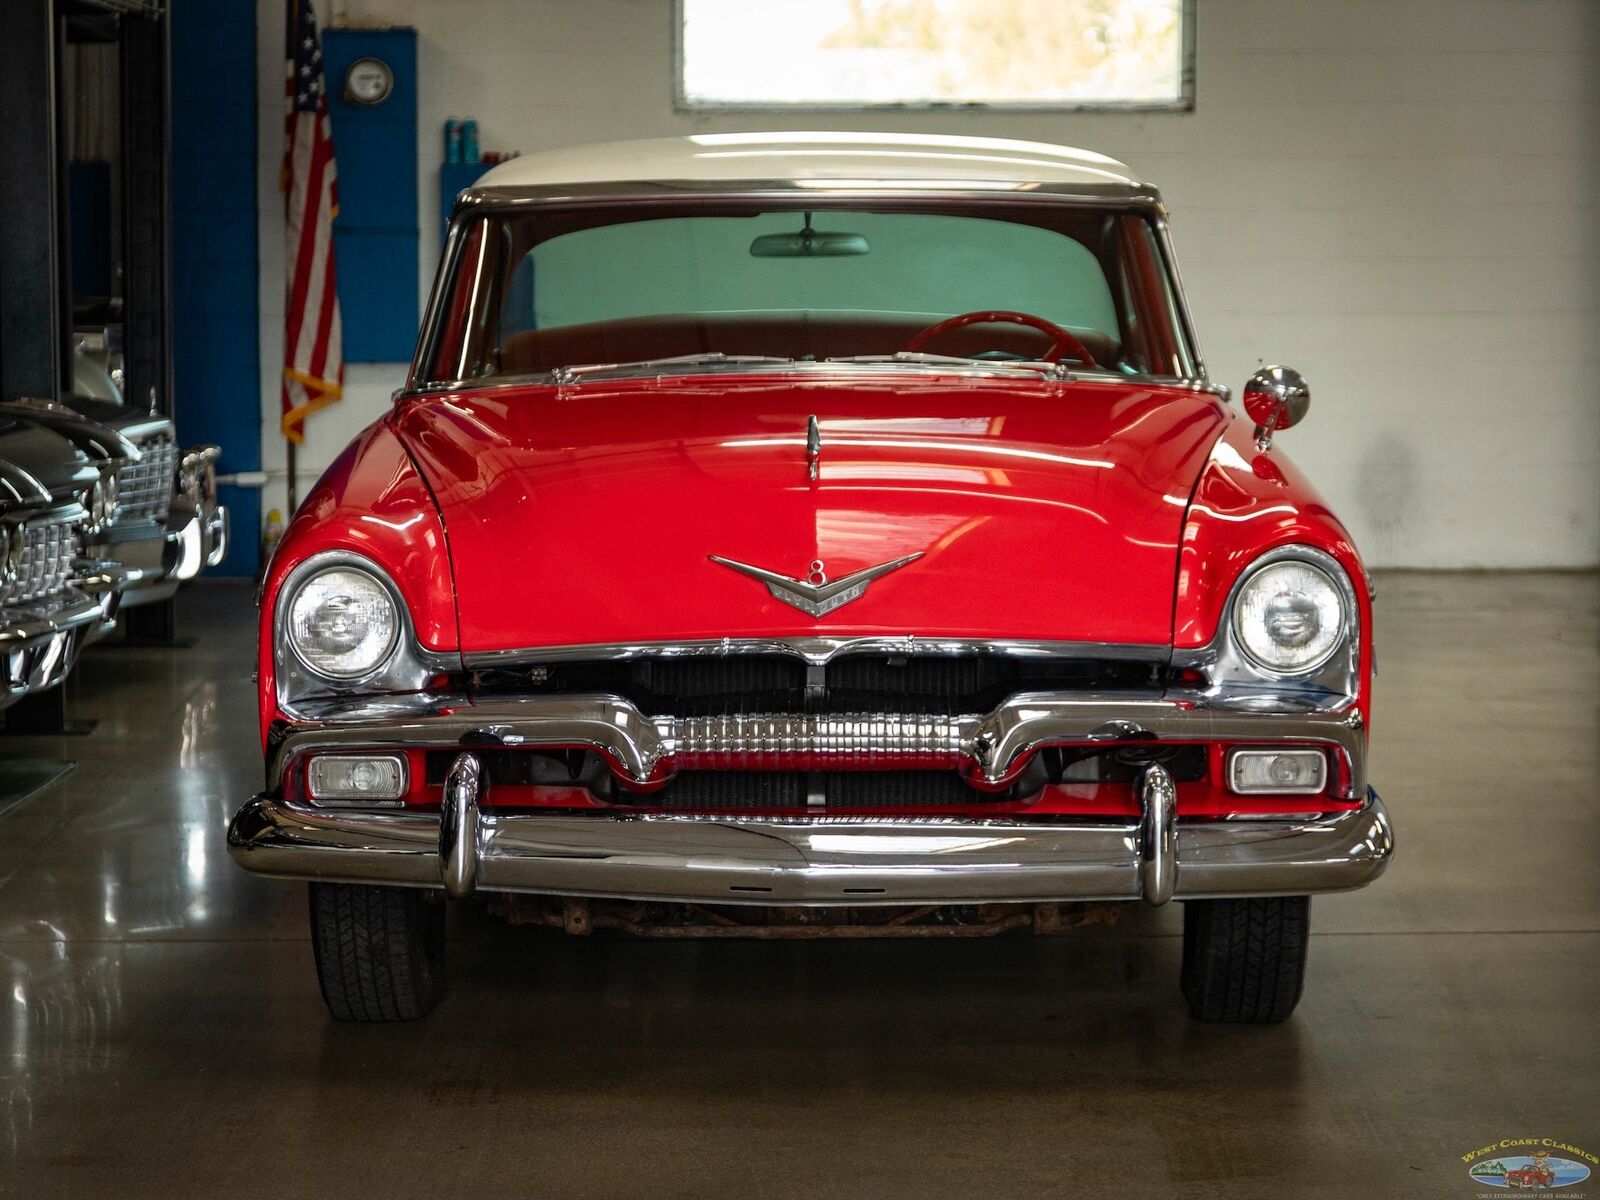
x: 819, y: 861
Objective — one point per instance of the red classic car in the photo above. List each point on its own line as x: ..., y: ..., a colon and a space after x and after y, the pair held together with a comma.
x: 1531, y: 1175
x: 815, y: 533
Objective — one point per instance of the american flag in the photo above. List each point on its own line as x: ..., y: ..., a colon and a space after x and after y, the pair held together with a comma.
x: 313, y: 344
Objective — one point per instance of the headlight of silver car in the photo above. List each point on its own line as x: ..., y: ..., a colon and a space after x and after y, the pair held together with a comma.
x: 343, y: 622
x: 1290, y: 616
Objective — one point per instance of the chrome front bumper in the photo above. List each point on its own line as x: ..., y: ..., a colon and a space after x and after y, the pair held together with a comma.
x: 156, y: 557
x: 39, y: 643
x: 820, y: 861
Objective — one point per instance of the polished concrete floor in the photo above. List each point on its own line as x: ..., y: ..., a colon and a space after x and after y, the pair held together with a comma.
x: 163, y: 1035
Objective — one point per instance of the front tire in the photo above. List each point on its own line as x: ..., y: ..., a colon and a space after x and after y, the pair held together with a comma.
x: 379, y: 950
x: 1244, y: 961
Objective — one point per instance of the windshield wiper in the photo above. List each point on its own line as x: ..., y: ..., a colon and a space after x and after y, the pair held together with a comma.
x: 920, y: 358
x: 684, y: 362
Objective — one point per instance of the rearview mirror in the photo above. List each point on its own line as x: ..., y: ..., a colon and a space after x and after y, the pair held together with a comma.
x: 808, y: 243
x: 1275, y: 398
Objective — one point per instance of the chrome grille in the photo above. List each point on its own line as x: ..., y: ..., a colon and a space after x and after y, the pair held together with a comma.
x: 852, y: 740
x: 144, y: 488
x: 44, y: 564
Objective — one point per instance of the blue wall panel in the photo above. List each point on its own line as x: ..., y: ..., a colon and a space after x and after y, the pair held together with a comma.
x: 216, y: 310
x: 375, y: 237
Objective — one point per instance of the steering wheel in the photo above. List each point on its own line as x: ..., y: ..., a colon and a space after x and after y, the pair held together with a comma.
x: 1063, y: 339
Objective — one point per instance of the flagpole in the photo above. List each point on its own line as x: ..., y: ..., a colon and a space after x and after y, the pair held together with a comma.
x: 294, y: 490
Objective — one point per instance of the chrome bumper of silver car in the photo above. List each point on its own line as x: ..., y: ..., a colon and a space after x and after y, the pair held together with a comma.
x: 155, y: 557
x: 39, y: 642
x: 818, y: 861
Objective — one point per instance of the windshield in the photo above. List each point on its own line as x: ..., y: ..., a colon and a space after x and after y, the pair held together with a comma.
x: 539, y: 292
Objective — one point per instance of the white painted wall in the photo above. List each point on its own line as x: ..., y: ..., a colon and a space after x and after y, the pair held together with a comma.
x: 1395, y: 196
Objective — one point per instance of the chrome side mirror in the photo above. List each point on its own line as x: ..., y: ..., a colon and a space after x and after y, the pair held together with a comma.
x: 1275, y: 398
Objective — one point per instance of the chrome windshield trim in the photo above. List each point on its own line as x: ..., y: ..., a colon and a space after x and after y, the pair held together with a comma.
x: 991, y: 748
x: 1141, y: 198
x: 817, y: 651
x: 662, y: 369
x: 1180, y: 301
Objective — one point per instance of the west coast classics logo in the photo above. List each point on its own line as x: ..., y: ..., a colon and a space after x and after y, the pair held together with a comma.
x: 1529, y: 1164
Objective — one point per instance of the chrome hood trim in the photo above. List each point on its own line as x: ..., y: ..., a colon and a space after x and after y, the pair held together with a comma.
x: 818, y: 650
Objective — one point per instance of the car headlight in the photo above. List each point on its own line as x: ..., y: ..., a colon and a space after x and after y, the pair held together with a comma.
x: 1290, y: 616
x: 343, y: 622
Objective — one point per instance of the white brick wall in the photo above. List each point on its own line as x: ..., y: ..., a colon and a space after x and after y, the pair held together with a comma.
x: 1395, y: 196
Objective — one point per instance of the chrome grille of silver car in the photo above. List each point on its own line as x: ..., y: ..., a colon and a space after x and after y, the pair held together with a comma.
x: 44, y: 564
x: 144, y: 488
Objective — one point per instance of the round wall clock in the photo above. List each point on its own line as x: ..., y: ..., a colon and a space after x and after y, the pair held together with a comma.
x: 368, y: 81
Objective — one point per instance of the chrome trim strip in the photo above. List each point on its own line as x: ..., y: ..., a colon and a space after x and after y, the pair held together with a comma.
x: 1197, y: 362
x: 20, y: 490
x: 94, y: 439
x: 433, y: 313
x: 818, y: 651
x: 818, y: 861
x: 994, y: 746
x: 800, y: 193
x: 828, y: 368
x: 52, y: 614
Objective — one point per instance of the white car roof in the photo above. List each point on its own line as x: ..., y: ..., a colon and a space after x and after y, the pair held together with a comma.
x: 802, y: 159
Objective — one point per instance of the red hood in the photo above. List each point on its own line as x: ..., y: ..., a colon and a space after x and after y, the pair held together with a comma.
x: 586, y: 514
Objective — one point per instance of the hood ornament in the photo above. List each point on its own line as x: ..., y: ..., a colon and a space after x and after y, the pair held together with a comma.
x: 814, y: 594
x: 813, y: 447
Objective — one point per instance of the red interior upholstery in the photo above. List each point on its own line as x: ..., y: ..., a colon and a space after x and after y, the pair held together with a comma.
x: 795, y: 333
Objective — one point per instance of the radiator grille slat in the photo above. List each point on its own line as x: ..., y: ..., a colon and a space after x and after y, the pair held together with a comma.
x: 933, y: 685
x: 144, y: 488
x: 851, y: 741
x: 45, y: 564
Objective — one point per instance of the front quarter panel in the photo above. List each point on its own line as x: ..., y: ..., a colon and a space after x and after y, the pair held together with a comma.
x: 370, y: 501
x: 1246, y: 502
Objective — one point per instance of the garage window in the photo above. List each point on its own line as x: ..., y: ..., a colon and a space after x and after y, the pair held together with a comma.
x: 1053, y: 54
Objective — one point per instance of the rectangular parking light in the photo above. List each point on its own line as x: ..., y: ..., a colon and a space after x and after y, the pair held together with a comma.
x: 1277, y: 771
x: 357, y: 778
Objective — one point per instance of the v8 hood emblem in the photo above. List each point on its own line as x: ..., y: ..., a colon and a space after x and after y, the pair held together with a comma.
x: 814, y: 594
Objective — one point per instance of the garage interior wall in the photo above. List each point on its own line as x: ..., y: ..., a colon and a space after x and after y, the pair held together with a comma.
x: 1396, y: 199
x: 215, y: 289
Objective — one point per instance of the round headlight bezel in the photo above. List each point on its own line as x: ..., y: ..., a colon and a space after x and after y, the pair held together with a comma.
x: 1338, y: 590
x: 319, y: 568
